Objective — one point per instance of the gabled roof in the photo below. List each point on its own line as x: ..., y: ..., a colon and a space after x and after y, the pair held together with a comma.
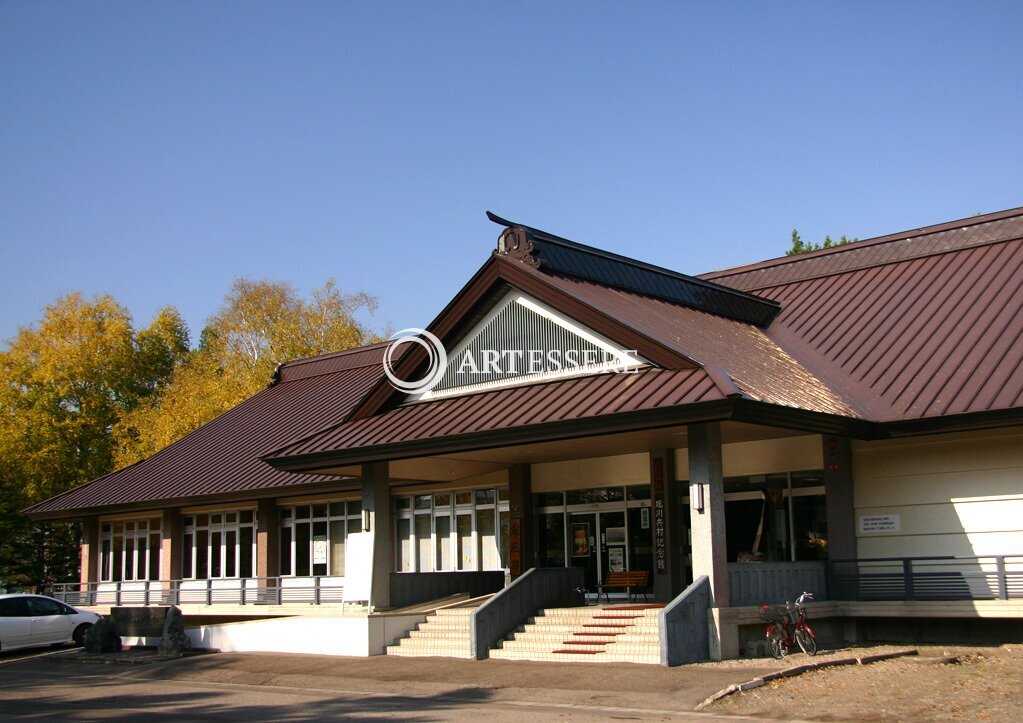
x: 222, y: 457
x: 921, y: 324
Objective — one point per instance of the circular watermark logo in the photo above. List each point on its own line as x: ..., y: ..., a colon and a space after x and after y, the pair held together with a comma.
x: 437, y: 356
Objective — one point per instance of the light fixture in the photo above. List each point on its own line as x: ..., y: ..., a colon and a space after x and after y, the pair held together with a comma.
x: 698, y: 497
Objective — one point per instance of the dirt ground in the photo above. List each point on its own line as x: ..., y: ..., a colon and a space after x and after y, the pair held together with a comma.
x: 976, y: 684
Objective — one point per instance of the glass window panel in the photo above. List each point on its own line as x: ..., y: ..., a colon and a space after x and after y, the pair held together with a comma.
x: 231, y: 518
x: 285, y: 559
x: 118, y: 560
x: 230, y: 553
x: 320, y: 510
x: 808, y: 479
x: 155, y: 524
x: 285, y: 513
x: 337, y: 547
x: 104, y: 560
x: 245, y: 567
x: 405, y: 545
x: 337, y: 509
x: 216, y: 519
x: 202, y: 520
x: 302, y: 513
x: 129, y: 526
x: 402, y: 503
x: 320, y: 547
x: 505, y: 541
x: 595, y: 495
x: 216, y: 555
x: 354, y: 524
x: 424, y: 543
x: 140, y: 559
x: 186, y: 555
x: 106, y: 527
x: 549, y: 499
x: 302, y: 545
x: 502, y: 494
x: 154, y: 556
x: 201, y: 555
x: 638, y: 492
x: 118, y: 527
x: 445, y: 550
x: 442, y: 500
x: 463, y: 498
x: 552, y: 540
x: 355, y: 508
x: 487, y: 535
x: 485, y: 497
x: 810, y: 527
x: 463, y: 525
x: 142, y: 525
x: 422, y: 502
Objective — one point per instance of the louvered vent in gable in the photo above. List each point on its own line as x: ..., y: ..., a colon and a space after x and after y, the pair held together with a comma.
x: 522, y: 341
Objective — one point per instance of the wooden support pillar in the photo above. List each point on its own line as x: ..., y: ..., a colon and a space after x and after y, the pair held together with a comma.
x: 171, y: 545
x: 90, y: 550
x: 268, y: 539
x: 376, y: 504
x: 521, y: 530
x: 667, y: 526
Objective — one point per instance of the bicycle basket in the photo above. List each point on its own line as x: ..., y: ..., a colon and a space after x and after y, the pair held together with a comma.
x: 773, y: 613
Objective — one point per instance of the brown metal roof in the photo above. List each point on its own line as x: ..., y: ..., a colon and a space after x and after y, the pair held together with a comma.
x: 917, y: 325
x: 516, y: 407
x: 924, y: 337
x: 222, y: 456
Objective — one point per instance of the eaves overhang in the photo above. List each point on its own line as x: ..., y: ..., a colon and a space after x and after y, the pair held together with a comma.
x: 733, y: 408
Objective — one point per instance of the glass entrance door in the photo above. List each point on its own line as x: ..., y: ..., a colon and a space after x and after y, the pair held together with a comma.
x: 598, y: 543
x: 582, y: 546
x: 613, y: 552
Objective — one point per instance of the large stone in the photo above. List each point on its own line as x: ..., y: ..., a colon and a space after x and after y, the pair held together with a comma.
x: 174, y: 641
x: 103, y: 637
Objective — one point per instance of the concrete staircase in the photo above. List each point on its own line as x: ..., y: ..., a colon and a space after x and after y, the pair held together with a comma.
x: 445, y: 634
x: 621, y: 633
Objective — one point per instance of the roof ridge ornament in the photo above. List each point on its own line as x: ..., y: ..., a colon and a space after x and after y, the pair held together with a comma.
x: 515, y: 242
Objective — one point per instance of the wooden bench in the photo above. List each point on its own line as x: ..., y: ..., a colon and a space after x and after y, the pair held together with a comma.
x: 627, y: 579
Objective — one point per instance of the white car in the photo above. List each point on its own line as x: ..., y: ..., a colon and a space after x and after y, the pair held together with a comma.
x: 29, y: 620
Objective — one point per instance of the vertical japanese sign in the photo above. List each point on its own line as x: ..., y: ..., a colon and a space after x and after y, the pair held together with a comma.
x: 660, y: 531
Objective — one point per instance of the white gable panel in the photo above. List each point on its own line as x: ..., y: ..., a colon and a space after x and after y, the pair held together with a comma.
x: 523, y: 341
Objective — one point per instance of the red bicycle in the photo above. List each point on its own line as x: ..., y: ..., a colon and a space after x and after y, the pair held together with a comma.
x: 788, y: 627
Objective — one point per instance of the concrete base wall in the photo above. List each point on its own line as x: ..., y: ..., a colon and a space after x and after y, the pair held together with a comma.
x: 355, y: 636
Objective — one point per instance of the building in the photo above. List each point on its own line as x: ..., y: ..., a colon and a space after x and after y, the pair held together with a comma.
x: 848, y: 421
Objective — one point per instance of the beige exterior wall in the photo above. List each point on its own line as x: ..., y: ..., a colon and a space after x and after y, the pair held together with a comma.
x: 953, y: 494
x: 788, y: 454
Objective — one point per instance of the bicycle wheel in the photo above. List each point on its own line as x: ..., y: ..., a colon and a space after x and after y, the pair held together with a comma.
x: 776, y: 641
x: 806, y: 640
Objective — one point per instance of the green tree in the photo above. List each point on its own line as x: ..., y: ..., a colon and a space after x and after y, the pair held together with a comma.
x: 801, y: 247
x: 64, y: 384
x: 260, y: 325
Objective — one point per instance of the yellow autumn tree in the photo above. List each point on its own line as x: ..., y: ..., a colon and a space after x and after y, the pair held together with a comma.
x: 260, y: 325
x: 64, y: 384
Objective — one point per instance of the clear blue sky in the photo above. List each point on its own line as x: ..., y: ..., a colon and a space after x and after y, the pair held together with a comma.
x: 157, y: 150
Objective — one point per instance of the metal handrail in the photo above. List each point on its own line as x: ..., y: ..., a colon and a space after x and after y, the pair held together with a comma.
x: 313, y: 590
x: 960, y: 577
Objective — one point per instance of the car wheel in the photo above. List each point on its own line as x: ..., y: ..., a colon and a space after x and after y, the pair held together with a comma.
x: 80, y: 632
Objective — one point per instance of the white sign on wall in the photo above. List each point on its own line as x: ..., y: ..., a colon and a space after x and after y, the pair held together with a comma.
x: 358, y: 567
x: 879, y: 523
